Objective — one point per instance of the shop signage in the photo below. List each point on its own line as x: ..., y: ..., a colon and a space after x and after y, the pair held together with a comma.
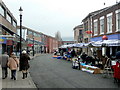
x: 30, y: 45
x: 9, y: 42
x: 3, y: 40
x: 89, y: 32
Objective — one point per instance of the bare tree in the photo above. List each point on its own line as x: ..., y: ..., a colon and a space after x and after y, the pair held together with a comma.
x: 58, y: 36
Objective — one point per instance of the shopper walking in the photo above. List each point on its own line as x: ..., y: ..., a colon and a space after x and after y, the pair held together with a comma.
x: 73, y: 53
x: 24, y: 63
x: 13, y: 64
x: 3, y: 61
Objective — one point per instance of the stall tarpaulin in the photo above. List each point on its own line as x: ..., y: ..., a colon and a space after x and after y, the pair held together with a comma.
x: 107, y: 42
x: 64, y: 46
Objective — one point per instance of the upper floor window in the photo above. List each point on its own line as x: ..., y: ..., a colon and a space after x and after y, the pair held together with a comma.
x: 95, y: 27
x: 74, y: 32
x: 102, y: 25
x: 80, y: 32
x: 86, y: 26
x: 0, y: 31
x: 35, y: 34
x: 9, y: 18
x: 14, y: 23
x: 118, y: 20
x: 2, y: 11
x: 29, y: 32
x: 109, y: 23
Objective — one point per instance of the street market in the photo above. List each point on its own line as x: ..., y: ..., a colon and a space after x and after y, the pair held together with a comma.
x: 106, y: 66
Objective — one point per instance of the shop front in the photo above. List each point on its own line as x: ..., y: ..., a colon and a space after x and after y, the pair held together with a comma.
x: 108, y: 44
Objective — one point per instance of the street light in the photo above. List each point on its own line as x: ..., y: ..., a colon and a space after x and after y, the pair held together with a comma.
x: 20, y: 32
x: 33, y: 46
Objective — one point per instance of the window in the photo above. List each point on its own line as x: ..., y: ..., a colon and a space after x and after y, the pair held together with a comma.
x: 2, y: 11
x: 102, y: 25
x: 14, y: 23
x: 95, y: 27
x: 109, y: 23
x: 80, y: 32
x: 0, y: 31
x: 35, y: 34
x: 29, y: 32
x: 86, y: 26
x: 118, y: 20
x: 9, y: 17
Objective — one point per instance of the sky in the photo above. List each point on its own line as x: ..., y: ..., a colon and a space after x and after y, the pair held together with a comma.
x: 50, y: 16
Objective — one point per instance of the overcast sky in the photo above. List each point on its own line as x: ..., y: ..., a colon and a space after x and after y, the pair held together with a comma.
x: 50, y: 16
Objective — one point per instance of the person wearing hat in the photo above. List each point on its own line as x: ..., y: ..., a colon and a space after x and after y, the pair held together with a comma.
x: 13, y: 64
x: 24, y: 63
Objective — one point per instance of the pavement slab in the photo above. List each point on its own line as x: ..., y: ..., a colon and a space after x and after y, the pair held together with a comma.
x: 19, y: 83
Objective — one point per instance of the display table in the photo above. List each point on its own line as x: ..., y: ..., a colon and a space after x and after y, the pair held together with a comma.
x: 55, y: 56
x: 90, y: 69
x: 58, y: 57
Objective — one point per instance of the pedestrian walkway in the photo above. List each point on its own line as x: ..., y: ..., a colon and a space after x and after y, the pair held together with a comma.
x: 19, y: 83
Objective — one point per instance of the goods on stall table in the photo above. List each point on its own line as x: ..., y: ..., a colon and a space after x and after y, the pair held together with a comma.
x: 91, y: 69
x: 59, y: 57
x: 55, y: 56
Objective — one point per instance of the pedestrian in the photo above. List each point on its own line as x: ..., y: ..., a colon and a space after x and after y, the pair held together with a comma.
x: 13, y: 63
x: 24, y: 63
x: 73, y: 53
x: 3, y: 61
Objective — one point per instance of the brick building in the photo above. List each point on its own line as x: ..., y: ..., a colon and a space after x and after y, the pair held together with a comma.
x: 107, y: 22
x: 102, y: 22
x: 78, y: 34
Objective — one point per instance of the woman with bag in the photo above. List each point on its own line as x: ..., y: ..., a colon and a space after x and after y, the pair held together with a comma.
x: 24, y: 63
x: 13, y: 64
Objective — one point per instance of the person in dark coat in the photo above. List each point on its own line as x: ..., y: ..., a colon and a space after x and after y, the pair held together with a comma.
x: 118, y: 55
x: 83, y: 56
x: 24, y: 64
x: 73, y: 53
x: 3, y: 62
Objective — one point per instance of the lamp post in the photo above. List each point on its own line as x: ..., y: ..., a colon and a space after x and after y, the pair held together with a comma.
x: 20, y: 33
x: 20, y: 30
x: 33, y: 46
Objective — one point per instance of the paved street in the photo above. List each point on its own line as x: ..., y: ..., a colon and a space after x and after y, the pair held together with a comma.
x: 16, y: 84
x: 47, y: 72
